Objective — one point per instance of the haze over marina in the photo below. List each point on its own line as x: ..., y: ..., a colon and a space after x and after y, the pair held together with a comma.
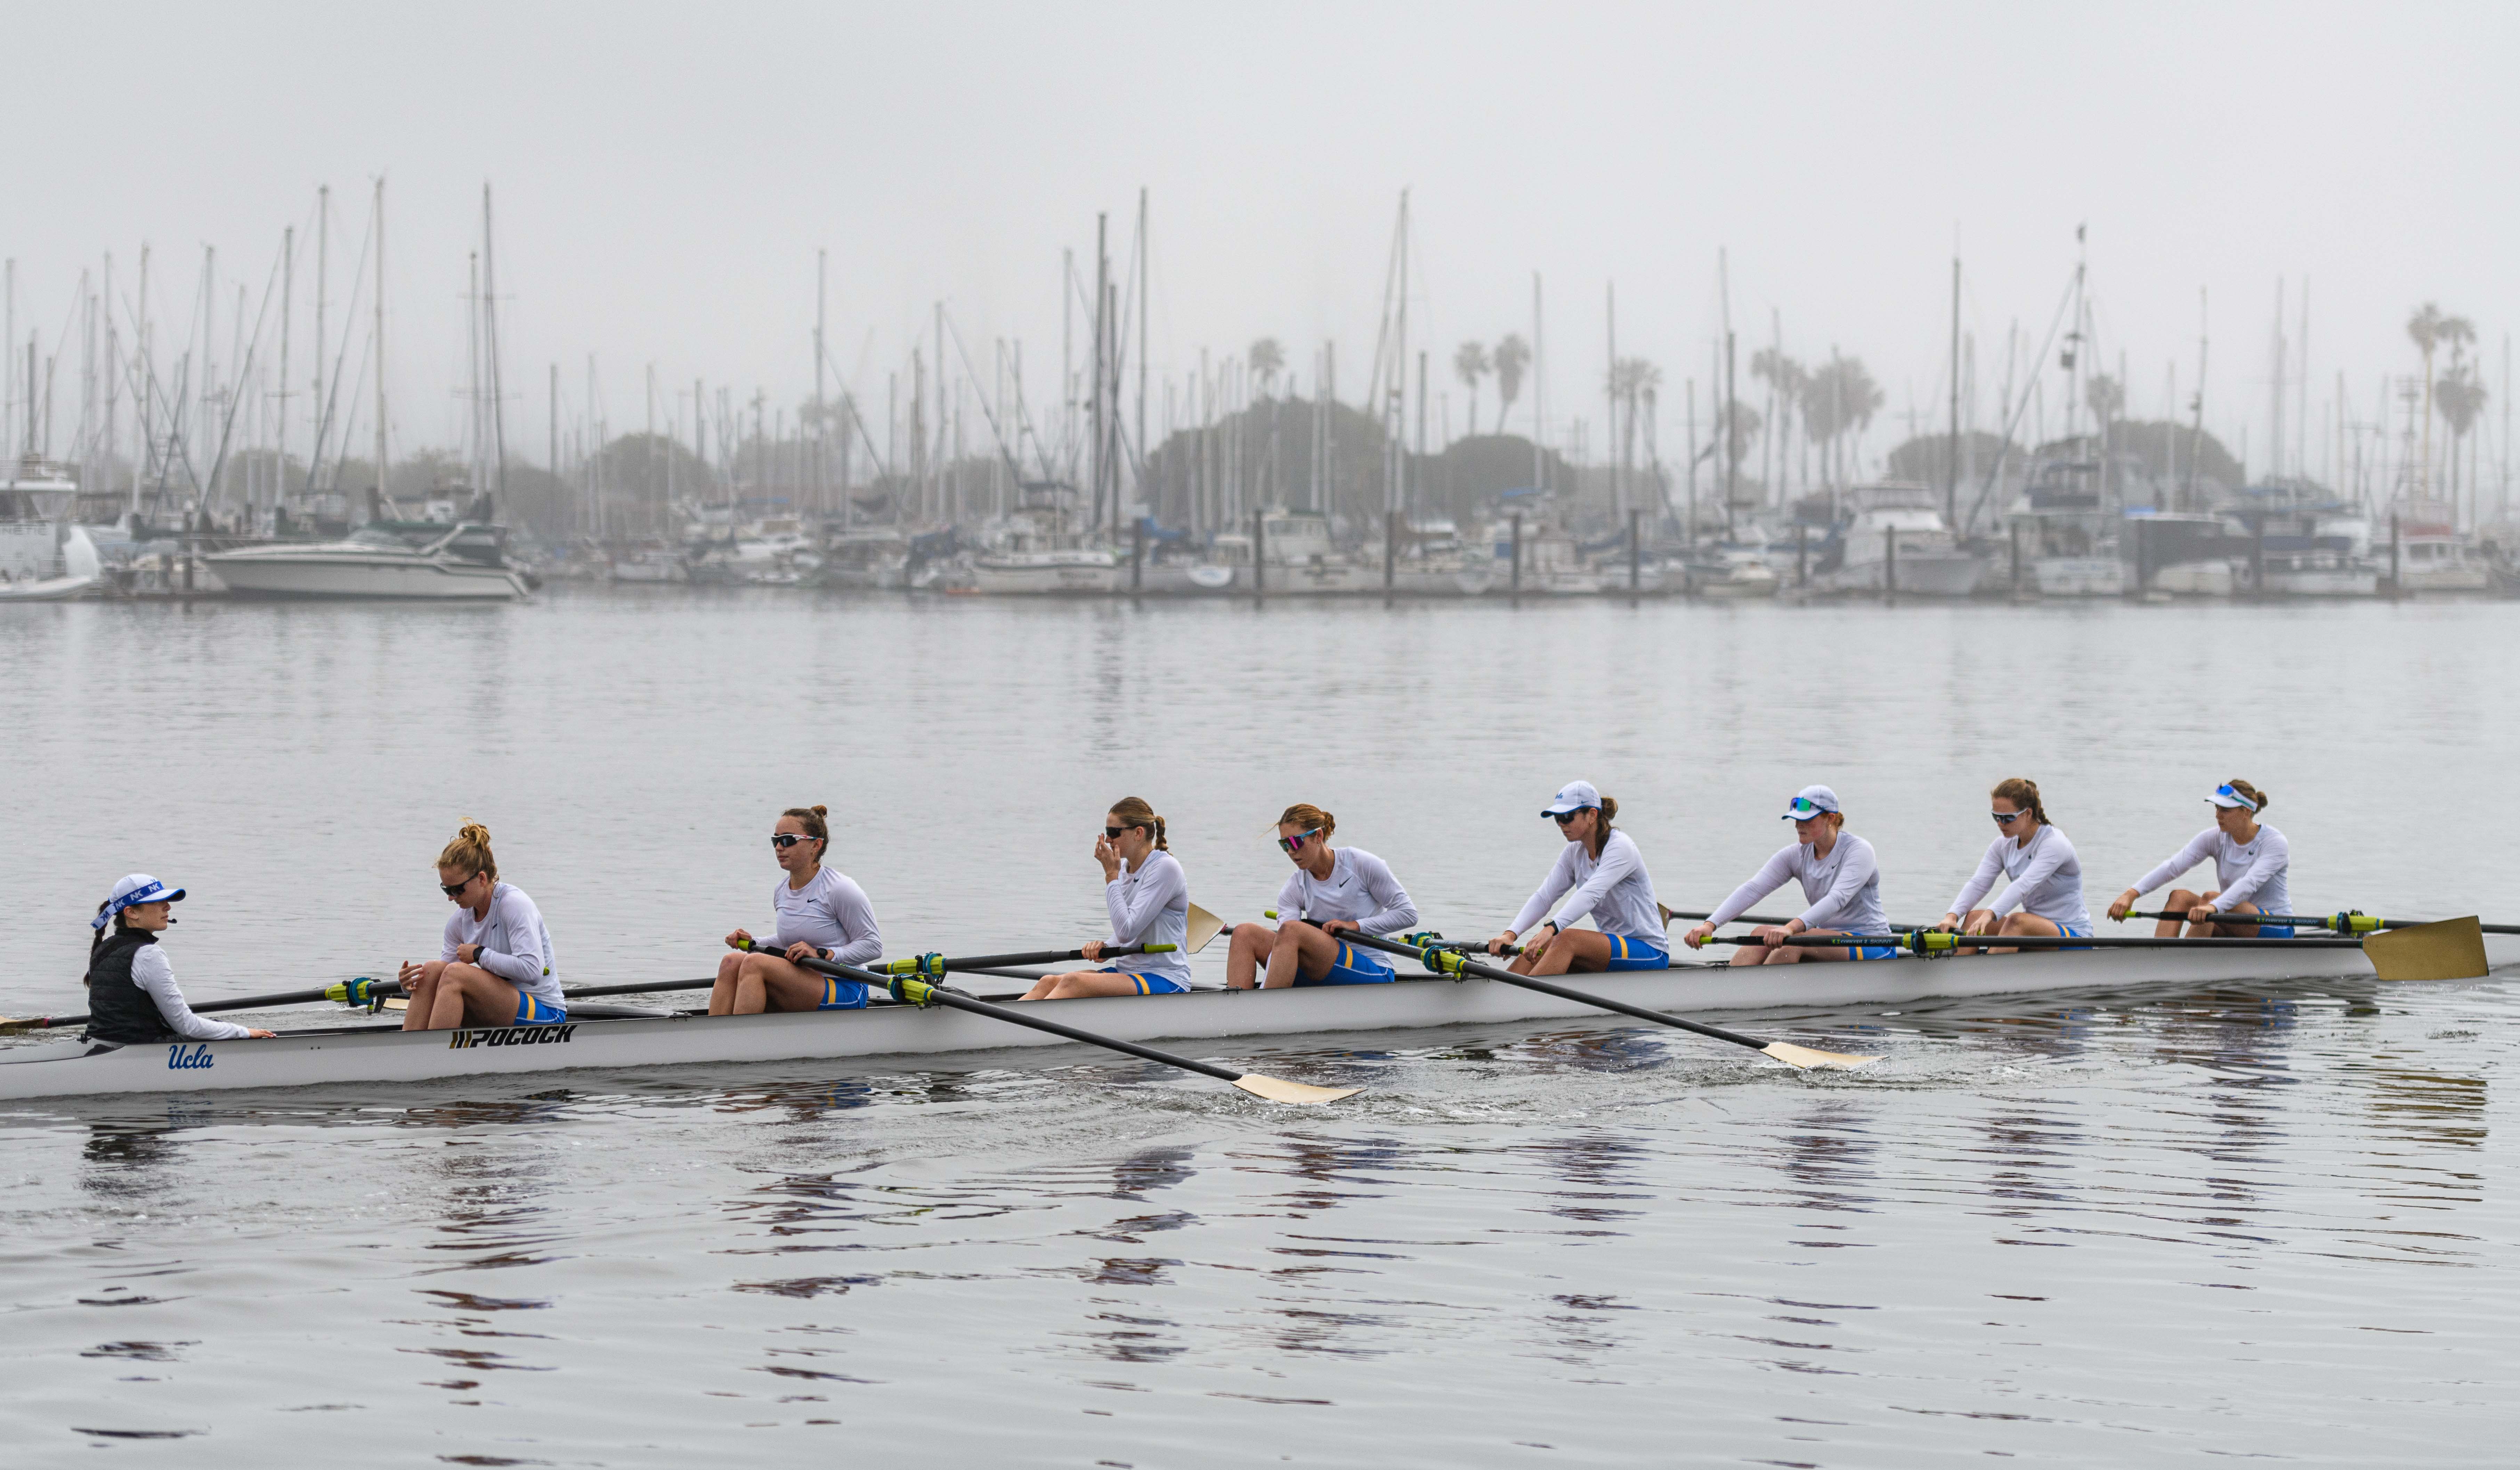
x: 1156, y: 737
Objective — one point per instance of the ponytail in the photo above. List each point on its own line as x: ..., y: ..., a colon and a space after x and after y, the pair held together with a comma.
x: 1133, y: 811
x: 1609, y: 810
x: 811, y: 820
x: 2251, y: 792
x: 96, y: 946
x: 1304, y: 814
x: 470, y: 852
x: 2022, y: 792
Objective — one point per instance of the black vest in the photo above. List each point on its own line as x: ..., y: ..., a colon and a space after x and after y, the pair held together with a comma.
x: 118, y: 1009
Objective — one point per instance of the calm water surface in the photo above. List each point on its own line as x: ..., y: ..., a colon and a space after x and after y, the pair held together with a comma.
x: 2272, y: 1221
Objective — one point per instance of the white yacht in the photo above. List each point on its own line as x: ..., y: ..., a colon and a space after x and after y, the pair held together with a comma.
x: 465, y: 563
x: 1729, y: 573
x: 1904, y: 521
x: 1039, y: 551
x: 874, y: 559
x: 36, y: 536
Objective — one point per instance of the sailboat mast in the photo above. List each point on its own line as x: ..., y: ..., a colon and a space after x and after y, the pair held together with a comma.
x: 490, y: 332
x: 1539, y: 395
x: 1610, y: 393
x: 315, y: 396
x: 1952, y: 459
x: 822, y: 283
x: 280, y: 438
x: 1146, y: 246
x: 381, y: 334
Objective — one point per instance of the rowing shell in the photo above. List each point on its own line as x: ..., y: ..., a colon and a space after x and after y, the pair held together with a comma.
x: 366, y: 1054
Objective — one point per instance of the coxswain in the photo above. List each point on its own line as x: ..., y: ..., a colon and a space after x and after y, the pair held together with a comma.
x: 1149, y: 898
x: 1333, y: 890
x: 818, y: 913
x: 2251, y: 864
x: 1603, y: 876
x: 1841, y: 883
x: 2047, y: 877
x: 131, y: 993
x: 494, y: 964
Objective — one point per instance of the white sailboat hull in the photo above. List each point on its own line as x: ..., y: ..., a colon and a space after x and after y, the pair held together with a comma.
x: 314, y: 571
x: 1022, y: 575
x: 365, y: 1055
x: 2070, y: 576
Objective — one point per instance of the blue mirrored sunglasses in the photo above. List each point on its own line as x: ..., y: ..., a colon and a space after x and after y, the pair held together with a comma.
x: 2235, y: 796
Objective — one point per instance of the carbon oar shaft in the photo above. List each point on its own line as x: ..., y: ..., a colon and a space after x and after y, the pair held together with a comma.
x: 2349, y: 923
x: 1450, y: 962
x: 353, y: 992
x: 1935, y: 941
x: 938, y: 964
x: 914, y: 991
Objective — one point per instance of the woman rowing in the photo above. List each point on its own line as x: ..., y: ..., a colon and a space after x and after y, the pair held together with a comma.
x: 2047, y: 878
x: 2251, y: 864
x: 818, y: 913
x: 1149, y: 899
x: 1841, y: 888
x: 494, y: 964
x: 131, y: 993
x: 1333, y: 890
x: 1609, y: 880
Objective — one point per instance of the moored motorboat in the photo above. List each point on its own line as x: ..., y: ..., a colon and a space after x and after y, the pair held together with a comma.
x: 467, y: 563
x: 363, y: 1055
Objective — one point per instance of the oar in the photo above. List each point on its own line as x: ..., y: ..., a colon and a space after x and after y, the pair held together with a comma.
x: 912, y: 989
x: 2351, y: 921
x: 934, y: 965
x: 1451, y: 962
x: 360, y: 992
x: 2449, y: 948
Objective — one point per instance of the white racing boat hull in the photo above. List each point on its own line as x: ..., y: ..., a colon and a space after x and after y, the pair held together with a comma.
x: 365, y: 1055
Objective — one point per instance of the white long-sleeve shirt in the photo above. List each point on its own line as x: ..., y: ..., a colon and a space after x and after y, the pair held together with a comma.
x: 154, y: 976
x: 1361, y: 888
x: 515, y: 944
x: 2047, y: 879
x: 830, y: 912
x: 1843, y: 889
x: 1151, y: 905
x: 2254, y: 872
x: 1615, y: 890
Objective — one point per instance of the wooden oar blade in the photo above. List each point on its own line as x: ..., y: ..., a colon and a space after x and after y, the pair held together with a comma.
x: 1203, y: 928
x: 1279, y: 1089
x: 9, y: 1024
x: 1806, y: 1056
x: 2452, y: 949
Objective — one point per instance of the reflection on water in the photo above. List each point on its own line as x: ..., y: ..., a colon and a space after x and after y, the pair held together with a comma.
x: 2250, y: 1219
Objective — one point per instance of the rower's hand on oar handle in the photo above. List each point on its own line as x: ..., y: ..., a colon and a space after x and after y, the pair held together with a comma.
x: 1504, y: 941
x: 1092, y: 948
x: 740, y: 939
x: 2124, y: 902
x: 1771, y: 935
x: 800, y: 950
x: 1950, y: 922
x: 1698, y: 935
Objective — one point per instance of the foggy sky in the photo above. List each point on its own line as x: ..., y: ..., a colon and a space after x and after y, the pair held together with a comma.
x: 665, y: 174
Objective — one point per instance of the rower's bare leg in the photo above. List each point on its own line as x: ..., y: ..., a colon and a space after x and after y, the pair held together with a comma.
x: 771, y: 983
x: 468, y: 993
x: 1248, y: 951
x: 2180, y: 900
x: 1047, y: 987
x: 1753, y: 953
x: 1574, y: 951
x: 1086, y: 983
x: 2023, y: 923
x: 1978, y: 922
x: 1301, y: 950
x: 422, y: 997
x: 722, y: 993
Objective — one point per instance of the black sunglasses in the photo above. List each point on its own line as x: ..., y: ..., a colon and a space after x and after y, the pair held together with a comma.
x: 1112, y: 834
x: 1563, y: 819
x: 452, y: 889
x: 786, y: 840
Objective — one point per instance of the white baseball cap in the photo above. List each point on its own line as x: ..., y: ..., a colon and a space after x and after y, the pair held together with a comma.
x: 135, y: 888
x: 1574, y: 796
x: 1809, y: 802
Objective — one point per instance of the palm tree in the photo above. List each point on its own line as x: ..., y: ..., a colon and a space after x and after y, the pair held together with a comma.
x: 1839, y: 396
x: 1267, y: 360
x: 1470, y: 363
x: 1785, y: 378
x: 1511, y: 358
x: 2460, y: 398
x: 2425, y: 326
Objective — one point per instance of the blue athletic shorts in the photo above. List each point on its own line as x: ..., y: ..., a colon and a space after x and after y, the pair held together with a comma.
x: 534, y: 1012
x: 841, y: 994
x: 2073, y: 931
x: 1354, y: 966
x: 1635, y: 954
x: 1872, y: 952
x: 1147, y: 984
